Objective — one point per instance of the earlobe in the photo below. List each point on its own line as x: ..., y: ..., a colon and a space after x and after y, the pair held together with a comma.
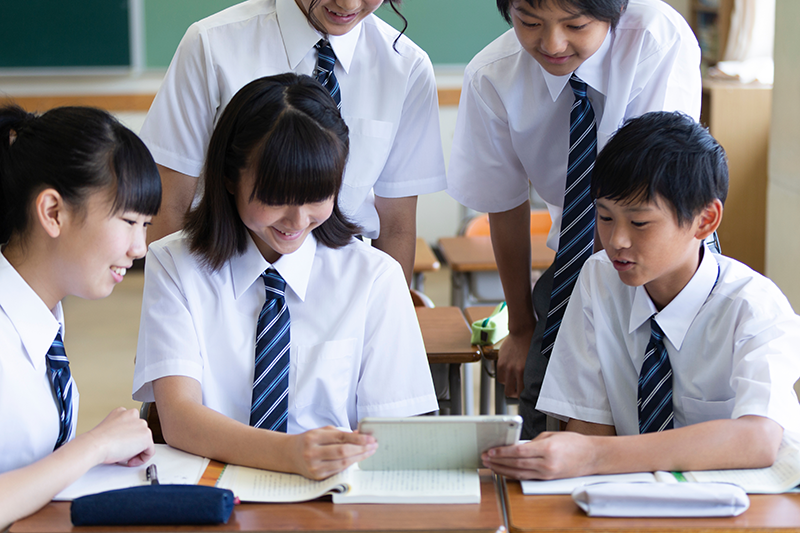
x: 50, y: 211
x: 710, y: 219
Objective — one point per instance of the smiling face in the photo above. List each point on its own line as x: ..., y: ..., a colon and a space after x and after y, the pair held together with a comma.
x: 338, y: 17
x: 648, y: 247
x: 97, y: 247
x: 278, y: 229
x: 559, y: 40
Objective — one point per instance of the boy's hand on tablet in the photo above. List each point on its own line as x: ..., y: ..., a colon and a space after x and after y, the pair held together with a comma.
x: 122, y: 437
x: 548, y: 456
x: 511, y: 363
x: 321, y: 453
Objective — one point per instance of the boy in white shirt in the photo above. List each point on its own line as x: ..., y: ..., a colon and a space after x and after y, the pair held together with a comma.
x: 717, y: 391
x: 513, y: 134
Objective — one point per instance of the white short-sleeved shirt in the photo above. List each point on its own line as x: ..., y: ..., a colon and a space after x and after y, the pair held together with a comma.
x: 29, y: 416
x: 513, y: 118
x: 733, y: 349
x: 389, y: 98
x: 356, y: 347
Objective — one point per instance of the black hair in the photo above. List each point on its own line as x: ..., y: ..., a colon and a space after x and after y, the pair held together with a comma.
x: 395, y: 5
x: 603, y: 10
x: 663, y: 156
x: 288, y: 132
x: 77, y: 151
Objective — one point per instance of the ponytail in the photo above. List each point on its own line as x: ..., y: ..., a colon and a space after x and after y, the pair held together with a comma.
x: 13, y: 120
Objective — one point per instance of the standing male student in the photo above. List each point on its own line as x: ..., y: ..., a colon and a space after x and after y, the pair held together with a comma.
x: 568, y: 74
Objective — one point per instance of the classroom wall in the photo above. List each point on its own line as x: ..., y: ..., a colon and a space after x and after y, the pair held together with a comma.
x: 451, y: 31
x: 783, y: 192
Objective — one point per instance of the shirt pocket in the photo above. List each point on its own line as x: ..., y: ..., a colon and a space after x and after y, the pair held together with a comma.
x: 325, y: 373
x: 370, y: 141
x: 697, y: 411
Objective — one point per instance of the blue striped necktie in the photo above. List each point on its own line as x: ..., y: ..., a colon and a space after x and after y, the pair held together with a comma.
x: 61, y: 382
x: 326, y: 60
x: 576, y: 241
x: 270, y: 407
x: 655, y: 384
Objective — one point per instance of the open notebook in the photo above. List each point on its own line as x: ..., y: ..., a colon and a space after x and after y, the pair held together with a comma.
x: 782, y: 476
x: 253, y: 485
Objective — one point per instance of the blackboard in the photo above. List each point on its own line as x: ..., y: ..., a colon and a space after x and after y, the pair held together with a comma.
x: 64, y: 33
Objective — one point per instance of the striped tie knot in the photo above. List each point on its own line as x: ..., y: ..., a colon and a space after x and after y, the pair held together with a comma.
x: 324, y: 74
x: 60, y: 379
x: 274, y: 284
x: 655, y: 384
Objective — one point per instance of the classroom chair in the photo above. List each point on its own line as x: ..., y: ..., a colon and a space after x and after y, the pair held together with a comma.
x: 149, y: 413
x: 485, y: 287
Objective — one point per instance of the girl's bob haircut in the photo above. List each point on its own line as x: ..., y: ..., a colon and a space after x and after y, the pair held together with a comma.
x: 288, y: 132
x: 77, y: 151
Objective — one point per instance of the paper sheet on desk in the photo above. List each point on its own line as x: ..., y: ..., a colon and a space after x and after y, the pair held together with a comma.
x: 566, y: 486
x: 174, y: 467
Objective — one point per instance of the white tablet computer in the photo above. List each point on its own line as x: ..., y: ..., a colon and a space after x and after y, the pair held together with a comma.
x: 436, y: 442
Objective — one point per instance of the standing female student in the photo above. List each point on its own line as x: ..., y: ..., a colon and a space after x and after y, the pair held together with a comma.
x: 537, y: 105
x: 383, y: 82
x: 77, y: 190
x: 265, y: 324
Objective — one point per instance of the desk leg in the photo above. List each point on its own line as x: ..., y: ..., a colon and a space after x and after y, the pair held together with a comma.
x: 455, y: 389
x: 418, y: 281
x: 486, y: 386
x: 459, y: 294
x: 469, y: 390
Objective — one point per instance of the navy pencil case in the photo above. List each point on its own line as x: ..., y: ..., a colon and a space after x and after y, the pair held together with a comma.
x: 154, y: 505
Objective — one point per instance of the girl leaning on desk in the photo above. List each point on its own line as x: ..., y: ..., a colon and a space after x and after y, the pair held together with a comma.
x: 77, y: 191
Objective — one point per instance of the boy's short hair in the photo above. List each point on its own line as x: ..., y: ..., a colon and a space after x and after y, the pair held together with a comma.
x: 664, y: 155
x: 603, y: 10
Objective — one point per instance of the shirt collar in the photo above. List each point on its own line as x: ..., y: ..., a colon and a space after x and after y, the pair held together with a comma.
x: 294, y: 268
x: 594, y: 71
x: 679, y: 314
x: 299, y: 36
x: 35, y: 323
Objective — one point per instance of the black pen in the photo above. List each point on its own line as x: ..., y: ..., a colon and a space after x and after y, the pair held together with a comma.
x: 152, y: 474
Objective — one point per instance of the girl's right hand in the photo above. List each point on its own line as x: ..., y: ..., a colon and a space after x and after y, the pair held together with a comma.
x: 321, y: 453
x: 122, y: 437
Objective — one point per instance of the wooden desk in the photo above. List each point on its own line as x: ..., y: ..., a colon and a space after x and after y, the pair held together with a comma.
x: 466, y: 255
x: 424, y: 261
x: 447, y: 340
x: 559, y: 513
x: 318, y: 515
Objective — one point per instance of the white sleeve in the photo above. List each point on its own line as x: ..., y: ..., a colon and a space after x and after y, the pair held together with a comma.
x: 416, y: 162
x: 667, y: 78
x: 574, y: 386
x: 168, y: 343
x: 394, y: 378
x: 178, y: 126
x: 485, y: 172
x: 765, y: 361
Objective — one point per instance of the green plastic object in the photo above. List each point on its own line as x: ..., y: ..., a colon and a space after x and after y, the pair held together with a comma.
x: 493, y: 328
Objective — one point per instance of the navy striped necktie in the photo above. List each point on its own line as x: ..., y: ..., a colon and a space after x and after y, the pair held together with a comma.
x: 61, y: 383
x: 655, y: 384
x: 576, y: 240
x: 326, y: 60
x: 270, y: 405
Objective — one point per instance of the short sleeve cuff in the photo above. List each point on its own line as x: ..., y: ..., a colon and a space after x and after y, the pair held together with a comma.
x: 401, y: 408
x: 143, y: 384
x: 410, y: 187
x: 565, y: 411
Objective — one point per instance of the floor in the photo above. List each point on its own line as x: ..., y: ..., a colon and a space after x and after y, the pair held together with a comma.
x: 101, y: 343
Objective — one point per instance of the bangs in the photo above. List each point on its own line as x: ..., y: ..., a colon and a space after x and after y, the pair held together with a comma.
x: 298, y: 162
x: 138, y: 181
